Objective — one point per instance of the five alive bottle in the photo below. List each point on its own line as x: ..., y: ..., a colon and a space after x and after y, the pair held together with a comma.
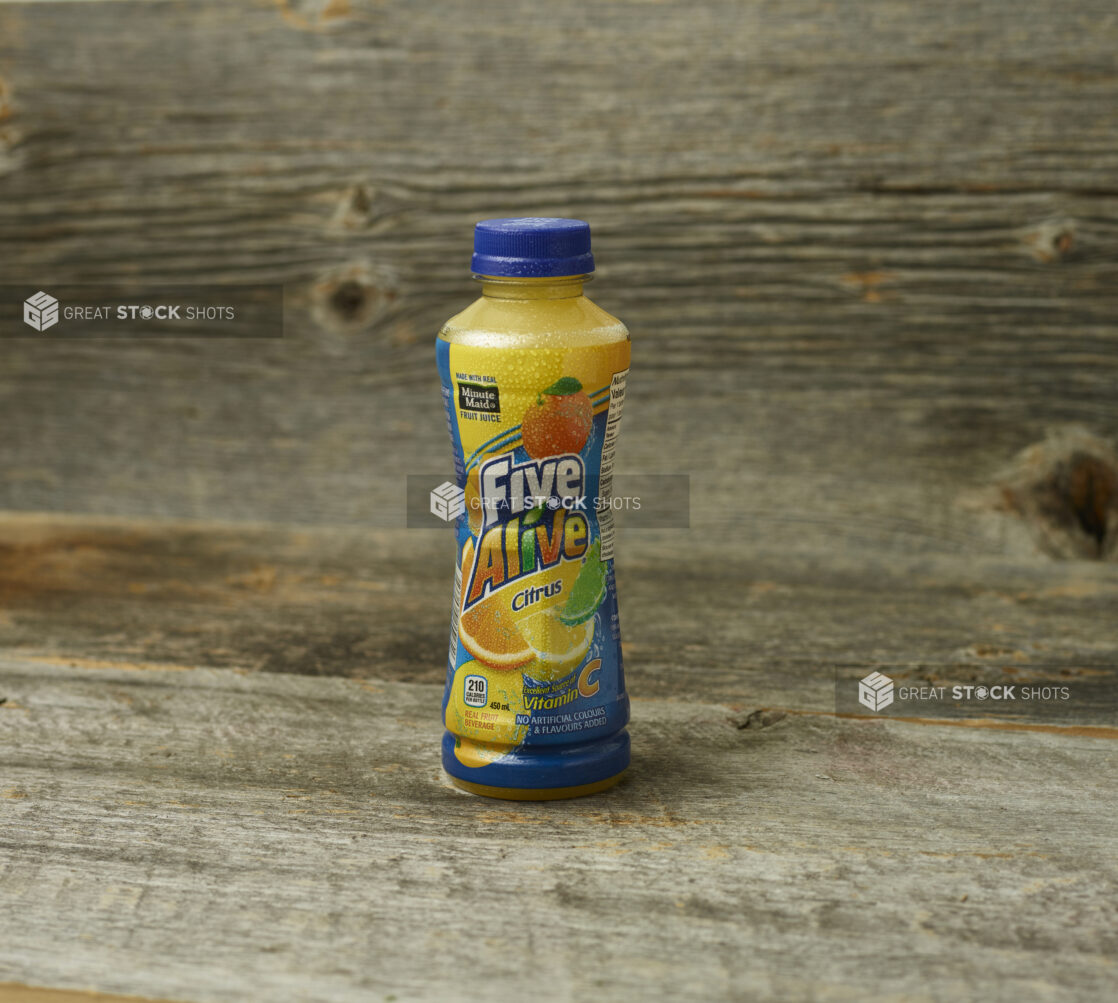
x: 533, y: 378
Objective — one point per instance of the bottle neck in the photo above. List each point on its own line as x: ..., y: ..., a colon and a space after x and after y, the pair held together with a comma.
x: 558, y: 287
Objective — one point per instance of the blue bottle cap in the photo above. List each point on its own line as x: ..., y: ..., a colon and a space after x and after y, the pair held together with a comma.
x: 532, y: 247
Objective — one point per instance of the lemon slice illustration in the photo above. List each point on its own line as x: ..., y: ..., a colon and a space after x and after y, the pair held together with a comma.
x: 558, y: 647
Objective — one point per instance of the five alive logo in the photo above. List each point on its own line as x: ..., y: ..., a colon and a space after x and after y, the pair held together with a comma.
x: 40, y: 311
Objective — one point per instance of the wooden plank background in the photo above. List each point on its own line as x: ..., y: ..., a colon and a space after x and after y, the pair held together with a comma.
x: 697, y: 617
x: 868, y: 251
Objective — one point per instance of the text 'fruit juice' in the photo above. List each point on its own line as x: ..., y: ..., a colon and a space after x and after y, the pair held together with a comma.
x: 533, y: 379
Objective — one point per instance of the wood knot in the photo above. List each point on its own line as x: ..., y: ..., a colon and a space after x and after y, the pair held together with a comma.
x: 1089, y: 488
x: 352, y: 298
x: 313, y: 15
x: 356, y: 210
x: 10, y: 134
x: 758, y: 719
x: 867, y: 283
x: 1066, y: 490
x: 11, y: 158
x: 1051, y: 241
x: 361, y: 207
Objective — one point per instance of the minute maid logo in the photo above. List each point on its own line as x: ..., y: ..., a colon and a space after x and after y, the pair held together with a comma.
x: 515, y: 538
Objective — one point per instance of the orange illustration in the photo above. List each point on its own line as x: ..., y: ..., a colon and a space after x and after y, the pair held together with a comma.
x: 488, y: 631
x: 559, y: 421
x: 491, y: 636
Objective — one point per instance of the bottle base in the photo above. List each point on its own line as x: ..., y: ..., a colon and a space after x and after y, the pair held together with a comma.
x: 537, y: 793
x: 535, y: 773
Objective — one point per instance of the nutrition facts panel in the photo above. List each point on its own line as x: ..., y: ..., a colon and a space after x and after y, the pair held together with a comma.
x: 609, y: 444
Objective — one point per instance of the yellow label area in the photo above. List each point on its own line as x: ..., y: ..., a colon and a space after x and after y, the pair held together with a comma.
x: 518, y: 568
x: 519, y: 376
x: 494, y: 721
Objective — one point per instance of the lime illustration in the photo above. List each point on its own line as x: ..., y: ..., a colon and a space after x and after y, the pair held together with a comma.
x: 588, y: 590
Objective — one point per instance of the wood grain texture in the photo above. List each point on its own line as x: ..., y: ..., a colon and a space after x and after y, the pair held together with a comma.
x: 747, y: 629
x: 208, y: 835
x: 868, y: 251
x: 15, y: 992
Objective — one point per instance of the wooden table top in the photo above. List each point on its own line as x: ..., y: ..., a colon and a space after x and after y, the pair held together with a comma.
x: 221, y: 780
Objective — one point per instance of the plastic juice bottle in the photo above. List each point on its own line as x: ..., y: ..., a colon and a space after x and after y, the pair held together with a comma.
x: 533, y: 379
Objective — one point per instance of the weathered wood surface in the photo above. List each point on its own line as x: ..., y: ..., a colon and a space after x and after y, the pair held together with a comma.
x: 868, y: 250
x: 258, y: 827
x: 698, y: 616
x: 18, y: 992
x: 211, y: 835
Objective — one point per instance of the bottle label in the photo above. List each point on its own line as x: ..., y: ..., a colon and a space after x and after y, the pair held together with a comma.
x: 535, y: 651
